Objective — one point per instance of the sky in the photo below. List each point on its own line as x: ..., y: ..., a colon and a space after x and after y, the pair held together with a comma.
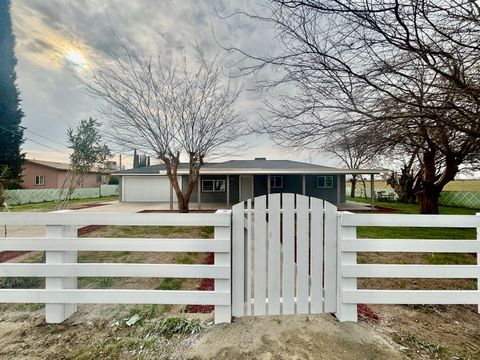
x: 58, y: 41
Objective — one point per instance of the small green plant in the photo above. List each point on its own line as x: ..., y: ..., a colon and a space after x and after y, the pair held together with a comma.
x: 169, y: 327
x: 105, y: 282
x: 207, y: 232
x: 148, y: 311
x: 185, y: 259
x: 170, y: 284
x: 450, y: 258
x: 20, y: 283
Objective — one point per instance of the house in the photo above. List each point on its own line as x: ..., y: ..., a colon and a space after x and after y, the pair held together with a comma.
x: 232, y: 181
x: 39, y: 174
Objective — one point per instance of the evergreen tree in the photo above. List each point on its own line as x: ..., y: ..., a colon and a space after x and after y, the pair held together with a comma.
x: 11, y: 134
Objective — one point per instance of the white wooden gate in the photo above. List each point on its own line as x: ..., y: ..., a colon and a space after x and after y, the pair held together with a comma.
x: 284, y: 256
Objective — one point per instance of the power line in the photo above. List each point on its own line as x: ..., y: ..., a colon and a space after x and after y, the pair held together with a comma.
x: 34, y: 141
x: 46, y: 138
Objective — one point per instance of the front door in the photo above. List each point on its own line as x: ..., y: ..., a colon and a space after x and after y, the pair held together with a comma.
x: 246, y: 187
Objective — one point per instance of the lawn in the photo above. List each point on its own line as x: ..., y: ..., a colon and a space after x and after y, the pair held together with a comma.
x: 51, y: 205
x: 457, y: 185
x: 415, y: 232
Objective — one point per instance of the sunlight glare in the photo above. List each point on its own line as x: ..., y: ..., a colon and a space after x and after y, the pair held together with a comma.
x: 75, y: 57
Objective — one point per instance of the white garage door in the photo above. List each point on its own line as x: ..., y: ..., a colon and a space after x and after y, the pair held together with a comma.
x: 147, y: 188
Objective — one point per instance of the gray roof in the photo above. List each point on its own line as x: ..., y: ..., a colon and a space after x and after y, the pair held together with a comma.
x: 257, y: 166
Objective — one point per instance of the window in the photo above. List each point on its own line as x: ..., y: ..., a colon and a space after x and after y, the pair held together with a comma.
x: 213, y: 185
x: 325, y: 182
x: 40, y: 180
x: 276, y: 182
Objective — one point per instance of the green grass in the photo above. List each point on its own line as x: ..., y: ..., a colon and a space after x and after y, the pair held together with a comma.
x: 187, y: 259
x: 170, y: 284
x: 148, y: 311
x: 414, y: 208
x: 207, y: 232
x: 450, y: 258
x: 51, y: 205
x: 97, y: 282
x: 21, y: 283
x: 378, y: 232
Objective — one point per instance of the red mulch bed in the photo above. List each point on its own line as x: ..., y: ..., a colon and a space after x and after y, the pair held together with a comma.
x: 205, y: 285
x: 385, y: 209
x: 88, y: 229
x: 9, y: 255
x: 87, y: 206
x: 176, y: 211
x: 366, y: 314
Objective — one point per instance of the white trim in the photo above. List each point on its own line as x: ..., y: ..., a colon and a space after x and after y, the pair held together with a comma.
x: 279, y: 171
x: 213, y: 186
x: 240, y: 186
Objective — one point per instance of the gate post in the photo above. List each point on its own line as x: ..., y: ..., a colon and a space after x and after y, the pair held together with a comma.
x: 223, y: 313
x: 345, y: 312
x: 57, y: 313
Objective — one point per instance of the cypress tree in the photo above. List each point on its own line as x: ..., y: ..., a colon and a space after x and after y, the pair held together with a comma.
x: 11, y: 134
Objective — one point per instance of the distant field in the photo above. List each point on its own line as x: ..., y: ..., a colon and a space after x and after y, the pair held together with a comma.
x: 457, y: 185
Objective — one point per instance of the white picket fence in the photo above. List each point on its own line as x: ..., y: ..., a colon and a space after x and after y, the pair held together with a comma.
x: 61, y: 269
x: 290, y: 255
x: 349, y: 271
x: 284, y: 256
x: 30, y: 196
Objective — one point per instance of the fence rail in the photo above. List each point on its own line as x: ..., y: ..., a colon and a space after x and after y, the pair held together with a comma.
x: 28, y: 196
x: 61, y: 269
x: 349, y: 271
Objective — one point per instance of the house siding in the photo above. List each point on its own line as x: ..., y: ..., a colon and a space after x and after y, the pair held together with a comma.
x: 208, y: 197
x: 291, y: 184
x: 327, y: 194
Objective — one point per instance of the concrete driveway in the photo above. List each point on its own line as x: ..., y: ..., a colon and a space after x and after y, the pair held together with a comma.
x: 135, y: 207
x: 113, y: 207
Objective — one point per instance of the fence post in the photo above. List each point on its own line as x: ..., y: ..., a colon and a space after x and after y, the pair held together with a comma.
x: 223, y: 313
x: 57, y: 313
x: 345, y: 312
x: 478, y: 261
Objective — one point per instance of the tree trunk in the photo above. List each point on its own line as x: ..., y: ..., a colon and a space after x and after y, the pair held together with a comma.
x: 353, y: 181
x: 428, y: 199
x: 183, y: 205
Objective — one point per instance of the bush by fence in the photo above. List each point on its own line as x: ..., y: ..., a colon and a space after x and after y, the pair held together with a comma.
x: 28, y: 196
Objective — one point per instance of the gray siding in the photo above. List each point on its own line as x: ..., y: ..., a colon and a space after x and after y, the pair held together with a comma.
x: 260, y: 185
x: 329, y: 194
x: 210, y: 197
x: 291, y: 184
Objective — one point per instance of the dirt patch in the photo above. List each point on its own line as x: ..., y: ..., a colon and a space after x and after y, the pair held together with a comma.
x: 293, y: 337
x: 432, y: 331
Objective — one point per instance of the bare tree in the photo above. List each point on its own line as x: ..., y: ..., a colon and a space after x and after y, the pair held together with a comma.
x: 353, y: 152
x: 170, y: 109
x: 406, y: 72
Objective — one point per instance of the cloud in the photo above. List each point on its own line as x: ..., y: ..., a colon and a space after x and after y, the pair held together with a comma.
x: 53, y: 99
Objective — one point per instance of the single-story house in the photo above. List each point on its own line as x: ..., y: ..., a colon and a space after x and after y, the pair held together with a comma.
x: 40, y: 174
x: 232, y: 181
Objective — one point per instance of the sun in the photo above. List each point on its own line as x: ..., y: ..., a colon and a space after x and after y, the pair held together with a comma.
x: 75, y: 57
